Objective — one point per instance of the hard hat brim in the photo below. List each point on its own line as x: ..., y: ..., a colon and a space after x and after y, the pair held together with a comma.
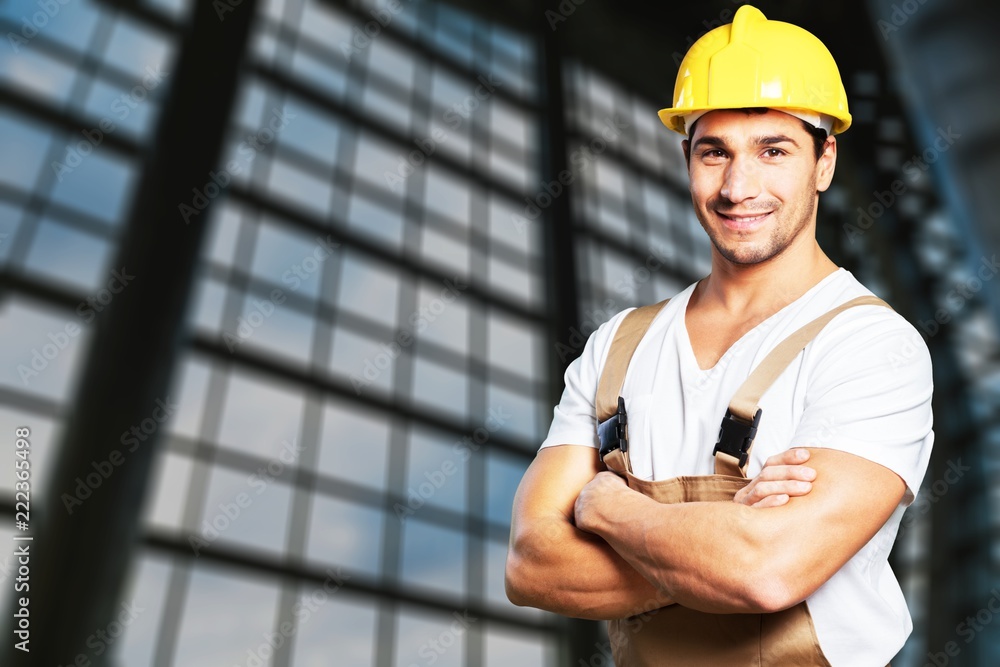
x: 674, y: 117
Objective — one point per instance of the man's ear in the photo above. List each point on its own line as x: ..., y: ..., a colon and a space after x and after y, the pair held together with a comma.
x: 686, y: 147
x: 826, y: 164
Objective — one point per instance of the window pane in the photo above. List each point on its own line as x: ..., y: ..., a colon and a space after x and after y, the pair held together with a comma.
x: 25, y: 145
x: 346, y: 534
x: 147, y: 590
x: 514, y: 282
x: 291, y: 258
x: 340, y: 631
x: 447, y: 195
x: 503, y: 474
x: 73, y: 257
x: 437, y: 472
x: 433, y: 557
x: 101, y: 186
x: 208, y: 306
x: 224, y: 232
x: 225, y: 615
x: 391, y: 61
x: 41, y: 349
x: 320, y: 72
x: 249, y: 510
x: 368, y: 363
x: 354, y: 445
x: 445, y: 250
x: 36, y: 74
x: 504, y: 647
x: 424, y: 637
x: 440, y: 388
x: 171, y: 478
x: 442, y: 316
x: 521, y: 414
x: 381, y: 222
x: 369, y: 288
x: 136, y: 49
x: 514, y: 345
x: 259, y: 417
x: 300, y: 189
x: 311, y: 130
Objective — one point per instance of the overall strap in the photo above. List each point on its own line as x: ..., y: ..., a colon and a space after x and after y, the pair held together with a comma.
x: 739, y: 426
x: 631, y: 330
x: 743, y: 408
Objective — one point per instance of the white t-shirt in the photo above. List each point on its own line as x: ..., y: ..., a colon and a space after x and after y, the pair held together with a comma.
x: 863, y: 386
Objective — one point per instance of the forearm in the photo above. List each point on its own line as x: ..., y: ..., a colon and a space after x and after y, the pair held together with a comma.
x: 554, y: 566
x: 726, y: 557
x: 714, y: 557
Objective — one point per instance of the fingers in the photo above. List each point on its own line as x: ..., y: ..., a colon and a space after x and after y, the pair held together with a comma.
x: 789, y: 457
x: 771, y: 493
x: 790, y: 472
x: 783, y: 477
x: 783, y: 487
x: 772, y: 501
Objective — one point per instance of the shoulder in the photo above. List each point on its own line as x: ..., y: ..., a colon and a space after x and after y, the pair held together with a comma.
x: 863, y: 322
x: 868, y: 338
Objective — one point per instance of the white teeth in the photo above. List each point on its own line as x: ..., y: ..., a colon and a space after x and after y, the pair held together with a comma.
x: 745, y: 218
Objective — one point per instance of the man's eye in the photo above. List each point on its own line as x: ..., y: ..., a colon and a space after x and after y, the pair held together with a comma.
x: 713, y: 153
x: 774, y: 152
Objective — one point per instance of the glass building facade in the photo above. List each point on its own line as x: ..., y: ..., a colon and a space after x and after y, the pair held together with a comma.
x: 366, y: 360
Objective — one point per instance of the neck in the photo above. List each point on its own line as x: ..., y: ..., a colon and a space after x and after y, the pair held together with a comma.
x: 767, y: 286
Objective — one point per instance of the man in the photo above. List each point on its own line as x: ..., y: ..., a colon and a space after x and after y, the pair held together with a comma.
x: 814, y: 537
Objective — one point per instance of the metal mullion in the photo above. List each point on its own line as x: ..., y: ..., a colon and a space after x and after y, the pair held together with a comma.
x: 343, y: 390
x: 370, y: 248
x: 236, y: 287
x: 79, y: 219
x: 180, y: 571
x: 666, y: 180
x: 310, y: 429
x: 32, y: 403
x: 480, y: 377
x: 255, y: 285
x: 41, y: 193
x: 260, y: 564
x: 359, y: 119
x: 626, y: 250
x: 144, y: 14
x: 426, y: 53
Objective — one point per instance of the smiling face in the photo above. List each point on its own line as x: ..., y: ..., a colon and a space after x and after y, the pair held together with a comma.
x: 755, y: 181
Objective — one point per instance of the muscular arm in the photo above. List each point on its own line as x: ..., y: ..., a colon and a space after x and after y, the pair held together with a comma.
x: 729, y: 558
x: 553, y: 565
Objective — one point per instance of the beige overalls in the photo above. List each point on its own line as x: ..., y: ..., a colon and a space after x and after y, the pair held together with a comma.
x: 677, y: 635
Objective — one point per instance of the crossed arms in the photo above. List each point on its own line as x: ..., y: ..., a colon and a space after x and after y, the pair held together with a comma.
x: 585, y: 545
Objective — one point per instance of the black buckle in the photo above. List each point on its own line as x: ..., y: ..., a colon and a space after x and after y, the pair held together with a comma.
x: 736, y: 436
x: 613, y: 431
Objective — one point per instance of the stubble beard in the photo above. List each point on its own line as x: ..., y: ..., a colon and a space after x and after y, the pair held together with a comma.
x: 782, y: 233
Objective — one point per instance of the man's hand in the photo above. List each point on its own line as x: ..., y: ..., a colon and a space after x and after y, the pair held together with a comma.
x: 774, y: 559
x: 594, y: 497
x: 782, y: 477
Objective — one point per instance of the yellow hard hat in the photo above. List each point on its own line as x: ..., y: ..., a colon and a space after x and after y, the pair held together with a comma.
x: 754, y: 62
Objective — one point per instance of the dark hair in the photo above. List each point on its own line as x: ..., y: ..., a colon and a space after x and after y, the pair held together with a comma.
x: 818, y: 134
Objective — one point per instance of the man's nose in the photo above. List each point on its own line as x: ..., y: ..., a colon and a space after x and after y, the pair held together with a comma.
x: 742, y: 180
